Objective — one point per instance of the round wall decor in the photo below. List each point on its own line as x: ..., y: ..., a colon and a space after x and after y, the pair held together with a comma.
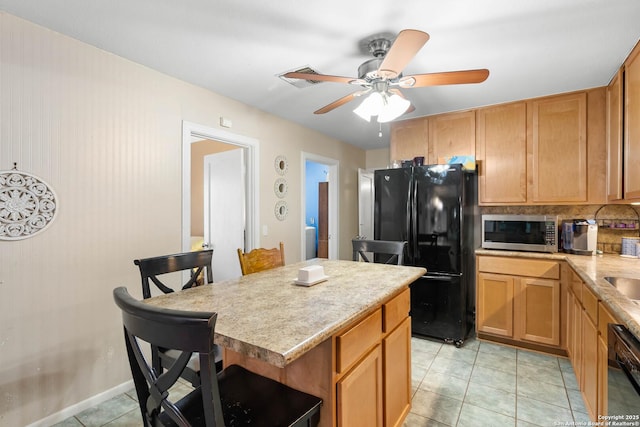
x: 280, y: 187
x: 281, y: 210
x: 28, y: 205
x: 281, y: 164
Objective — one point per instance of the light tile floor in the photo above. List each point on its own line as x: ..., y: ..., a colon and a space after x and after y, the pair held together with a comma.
x: 480, y: 384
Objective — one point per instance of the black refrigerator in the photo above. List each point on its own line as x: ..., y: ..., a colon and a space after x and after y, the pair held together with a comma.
x: 434, y: 208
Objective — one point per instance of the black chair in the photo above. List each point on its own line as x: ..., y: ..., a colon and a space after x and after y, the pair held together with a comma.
x: 199, y: 265
x: 232, y: 397
x: 384, y: 251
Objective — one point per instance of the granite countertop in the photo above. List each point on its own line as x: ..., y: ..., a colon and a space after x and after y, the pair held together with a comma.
x: 592, y: 270
x: 267, y: 316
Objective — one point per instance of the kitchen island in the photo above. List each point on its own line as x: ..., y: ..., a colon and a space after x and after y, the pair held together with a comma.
x: 346, y: 340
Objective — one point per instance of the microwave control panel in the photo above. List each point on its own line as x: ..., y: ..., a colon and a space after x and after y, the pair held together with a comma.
x: 550, y: 233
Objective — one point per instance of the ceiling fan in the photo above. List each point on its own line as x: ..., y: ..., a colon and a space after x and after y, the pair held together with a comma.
x: 382, y: 79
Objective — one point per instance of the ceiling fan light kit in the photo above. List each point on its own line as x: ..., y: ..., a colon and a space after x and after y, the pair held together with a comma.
x: 386, y: 107
x: 377, y: 75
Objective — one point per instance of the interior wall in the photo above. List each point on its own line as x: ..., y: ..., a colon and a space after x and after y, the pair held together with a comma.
x: 377, y: 159
x: 106, y: 134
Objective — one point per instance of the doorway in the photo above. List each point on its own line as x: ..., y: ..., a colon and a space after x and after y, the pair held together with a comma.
x: 240, y: 147
x: 316, y: 170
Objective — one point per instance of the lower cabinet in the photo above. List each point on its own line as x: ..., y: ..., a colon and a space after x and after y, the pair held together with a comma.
x: 359, y: 393
x: 519, y: 299
x: 373, y: 368
x: 589, y: 383
x: 587, y: 344
x: 397, y: 368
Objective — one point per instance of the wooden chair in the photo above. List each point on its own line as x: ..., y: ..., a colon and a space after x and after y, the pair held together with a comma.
x: 232, y: 397
x: 261, y: 259
x: 199, y: 263
x: 384, y: 251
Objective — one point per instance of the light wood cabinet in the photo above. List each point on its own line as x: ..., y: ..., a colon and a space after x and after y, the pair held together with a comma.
x: 539, y: 304
x: 632, y: 125
x: 501, y: 151
x: 614, y: 138
x: 495, y: 304
x: 587, y: 344
x: 359, y: 393
x: 589, y: 381
x: 558, y: 149
x: 518, y: 299
x: 452, y: 134
x: 604, y: 318
x: 397, y: 368
x: 373, y: 367
x: 409, y: 139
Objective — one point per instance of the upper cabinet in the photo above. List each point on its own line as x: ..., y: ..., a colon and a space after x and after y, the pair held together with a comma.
x: 549, y: 150
x: 614, y: 138
x: 558, y: 149
x: 452, y: 134
x: 631, y: 184
x: 501, y: 151
x: 409, y: 139
x: 623, y: 131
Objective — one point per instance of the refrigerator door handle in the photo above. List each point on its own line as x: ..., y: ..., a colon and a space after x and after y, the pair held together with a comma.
x: 408, y: 222
x: 414, y: 221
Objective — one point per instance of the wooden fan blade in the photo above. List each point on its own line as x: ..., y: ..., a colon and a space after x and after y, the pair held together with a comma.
x: 404, y: 48
x: 337, y: 103
x: 445, y: 78
x: 319, y: 77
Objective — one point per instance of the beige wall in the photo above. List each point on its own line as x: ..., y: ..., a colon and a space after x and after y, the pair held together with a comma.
x: 105, y: 133
x: 377, y: 159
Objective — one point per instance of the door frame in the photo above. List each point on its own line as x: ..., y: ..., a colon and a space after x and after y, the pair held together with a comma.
x: 334, y: 208
x: 251, y: 147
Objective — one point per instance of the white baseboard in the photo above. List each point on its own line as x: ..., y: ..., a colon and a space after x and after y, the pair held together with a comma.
x: 81, y: 406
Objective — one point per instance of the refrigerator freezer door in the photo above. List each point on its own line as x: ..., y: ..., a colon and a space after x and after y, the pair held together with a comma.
x: 438, y: 308
x: 438, y: 218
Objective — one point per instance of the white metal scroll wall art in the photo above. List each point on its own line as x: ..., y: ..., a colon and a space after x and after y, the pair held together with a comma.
x: 28, y: 205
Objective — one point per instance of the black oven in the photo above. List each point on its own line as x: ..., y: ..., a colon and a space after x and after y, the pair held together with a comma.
x: 623, y: 391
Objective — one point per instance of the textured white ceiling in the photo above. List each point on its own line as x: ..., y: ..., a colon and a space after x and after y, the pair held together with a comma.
x: 238, y: 47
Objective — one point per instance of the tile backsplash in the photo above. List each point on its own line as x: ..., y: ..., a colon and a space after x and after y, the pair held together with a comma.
x: 614, y: 221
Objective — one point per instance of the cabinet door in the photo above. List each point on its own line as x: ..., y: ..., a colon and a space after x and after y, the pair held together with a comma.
x: 614, y: 138
x: 589, y: 383
x: 501, y: 149
x: 539, y: 311
x: 603, y: 368
x: 495, y: 304
x: 576, y: 358
x: 452, y: 134
x: 632, y: 125
x: 558, y: 149
x: 409, y: 139
x: 570, y: 327
x: 397, y: 374
x: 359, y: 393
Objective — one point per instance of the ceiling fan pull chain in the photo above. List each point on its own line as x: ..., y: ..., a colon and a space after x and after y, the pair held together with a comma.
x: 380, y: 131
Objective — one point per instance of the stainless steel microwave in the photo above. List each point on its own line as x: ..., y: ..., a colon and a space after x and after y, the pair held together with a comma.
x: 534, y: 233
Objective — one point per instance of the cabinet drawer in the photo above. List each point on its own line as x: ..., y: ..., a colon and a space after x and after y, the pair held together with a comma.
x: 576, y: 286
x: 395, y: 311
x: 519, y: 267
x: 352, y: 344
x: 604, y: 318
x: 590, y: 303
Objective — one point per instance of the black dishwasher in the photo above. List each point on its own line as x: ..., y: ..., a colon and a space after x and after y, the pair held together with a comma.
x: 623, y: 391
